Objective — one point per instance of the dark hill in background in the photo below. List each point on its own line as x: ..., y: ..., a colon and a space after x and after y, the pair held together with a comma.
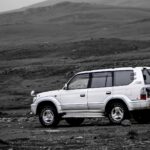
x: 73, y: 22
x: 40, y: 48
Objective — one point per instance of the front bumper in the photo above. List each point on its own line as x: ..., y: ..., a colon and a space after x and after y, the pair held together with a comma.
x: 33, y: 108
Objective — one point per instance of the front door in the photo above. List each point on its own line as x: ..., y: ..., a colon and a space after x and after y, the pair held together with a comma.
x: 100, y: 90
x: 75, y: 96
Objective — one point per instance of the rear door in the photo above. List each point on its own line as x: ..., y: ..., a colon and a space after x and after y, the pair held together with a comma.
x: 100, y: 89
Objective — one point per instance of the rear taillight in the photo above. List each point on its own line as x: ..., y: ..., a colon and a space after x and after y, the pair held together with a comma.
x: 143, y: 94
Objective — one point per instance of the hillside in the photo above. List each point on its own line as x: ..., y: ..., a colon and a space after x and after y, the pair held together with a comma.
x: 45, y: 66
x: 122, y: 3
x: 74, y: 22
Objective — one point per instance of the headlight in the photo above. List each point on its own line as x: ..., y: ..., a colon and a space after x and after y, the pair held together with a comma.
x: 33, y: 93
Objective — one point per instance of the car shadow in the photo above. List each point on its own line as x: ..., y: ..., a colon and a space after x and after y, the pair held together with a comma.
x: 65, y: 125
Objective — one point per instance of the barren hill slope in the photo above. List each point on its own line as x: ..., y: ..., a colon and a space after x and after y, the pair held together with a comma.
x: 73, y: 22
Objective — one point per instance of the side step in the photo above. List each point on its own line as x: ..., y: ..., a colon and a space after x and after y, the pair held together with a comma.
x: 83, y: 115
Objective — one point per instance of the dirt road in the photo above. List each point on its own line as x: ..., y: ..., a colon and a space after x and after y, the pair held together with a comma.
x: 19, y: 131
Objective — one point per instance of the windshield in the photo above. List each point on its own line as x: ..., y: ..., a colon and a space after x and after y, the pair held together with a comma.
x: 146, y: 75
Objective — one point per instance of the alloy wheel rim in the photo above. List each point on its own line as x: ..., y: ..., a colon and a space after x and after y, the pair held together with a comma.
x: 48, y: 116
x: 117, y: 114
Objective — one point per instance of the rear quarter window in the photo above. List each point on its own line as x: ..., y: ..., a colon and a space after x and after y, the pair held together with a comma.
x: 146, y: 76
x: 122, y: 78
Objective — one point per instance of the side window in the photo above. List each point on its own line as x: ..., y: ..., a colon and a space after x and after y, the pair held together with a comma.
x: 79, y: 82
x: 101, y: 79
x: 123, y: 77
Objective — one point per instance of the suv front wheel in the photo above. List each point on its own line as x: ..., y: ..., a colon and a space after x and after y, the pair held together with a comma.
x: 117, y: 113
x: 48, y: 116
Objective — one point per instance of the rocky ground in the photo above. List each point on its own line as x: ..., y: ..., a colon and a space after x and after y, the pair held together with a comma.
x: 21, y: 131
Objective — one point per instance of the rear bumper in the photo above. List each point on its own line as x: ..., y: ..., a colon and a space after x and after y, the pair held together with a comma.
x: 138, y: 105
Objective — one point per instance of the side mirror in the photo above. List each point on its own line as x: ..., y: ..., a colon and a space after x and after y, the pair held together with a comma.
x: 65, y: 87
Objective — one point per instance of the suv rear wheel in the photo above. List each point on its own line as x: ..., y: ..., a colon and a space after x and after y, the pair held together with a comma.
x: 117, y: 113
x: 74, y: 121
x: 48, y: 116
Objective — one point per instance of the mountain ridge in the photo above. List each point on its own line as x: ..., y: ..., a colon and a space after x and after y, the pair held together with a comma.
x: 116, y: 3
x: 122, y: 3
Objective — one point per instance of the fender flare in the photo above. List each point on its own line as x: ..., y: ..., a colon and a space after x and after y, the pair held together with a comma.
x: 122, y: 98
x: 53, y: 100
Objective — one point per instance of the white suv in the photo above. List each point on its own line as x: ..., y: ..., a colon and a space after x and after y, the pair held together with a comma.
x: 112, y: 93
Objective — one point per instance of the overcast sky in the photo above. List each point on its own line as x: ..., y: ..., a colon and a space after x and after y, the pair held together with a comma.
x: 14, y: 4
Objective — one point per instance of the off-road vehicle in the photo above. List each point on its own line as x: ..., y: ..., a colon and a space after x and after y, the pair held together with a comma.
x: 114, y: 93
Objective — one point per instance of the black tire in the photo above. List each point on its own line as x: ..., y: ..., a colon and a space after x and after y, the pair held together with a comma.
x: 74, y: 121
x: 141, y: 116
x: 117, y: 112
x: 48, y: 116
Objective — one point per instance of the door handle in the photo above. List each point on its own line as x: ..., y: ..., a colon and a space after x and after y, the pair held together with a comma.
x: 108, y: 92
x: 82, y: 95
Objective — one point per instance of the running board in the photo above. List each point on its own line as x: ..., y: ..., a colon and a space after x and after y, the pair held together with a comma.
x: 83, y: 115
